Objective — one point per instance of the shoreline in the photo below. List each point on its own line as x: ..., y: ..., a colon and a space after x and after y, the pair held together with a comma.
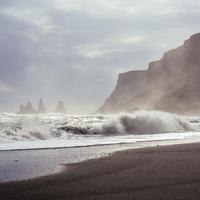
x: 86, y: 146
x: 20, y: 164
x: 153, y: 141
x: 161, y: 172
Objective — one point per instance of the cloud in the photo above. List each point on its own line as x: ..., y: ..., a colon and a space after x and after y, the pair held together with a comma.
x: 73, y: 49
x: 91, y: 51
x: 4, y: 88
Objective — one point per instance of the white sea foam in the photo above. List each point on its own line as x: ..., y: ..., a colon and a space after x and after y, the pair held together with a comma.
x: 93, y: 129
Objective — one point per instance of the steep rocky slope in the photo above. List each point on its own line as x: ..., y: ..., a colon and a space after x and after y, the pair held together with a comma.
x: 170, y: 84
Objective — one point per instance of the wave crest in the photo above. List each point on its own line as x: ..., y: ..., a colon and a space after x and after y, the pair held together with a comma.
x: 154, y: 122
x: 44, y: 127
x: 147, y: 122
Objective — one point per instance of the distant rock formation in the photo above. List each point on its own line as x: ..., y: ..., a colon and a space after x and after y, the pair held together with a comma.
x: 60, y: 108
x: 170, y: 84
x: 21, y: 109
x: 41, y: 108
x: 28, y: 109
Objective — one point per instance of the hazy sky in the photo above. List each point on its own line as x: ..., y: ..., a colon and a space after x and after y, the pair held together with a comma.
x: 74, y: 49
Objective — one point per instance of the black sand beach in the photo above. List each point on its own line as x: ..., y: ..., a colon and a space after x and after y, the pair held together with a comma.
x: 168, y: 172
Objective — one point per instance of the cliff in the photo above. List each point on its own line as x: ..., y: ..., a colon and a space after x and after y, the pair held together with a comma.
x: 169, y: 84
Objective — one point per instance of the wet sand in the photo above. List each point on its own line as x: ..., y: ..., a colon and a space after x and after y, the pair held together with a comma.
x: 167, y: 172
x: 28, y: 164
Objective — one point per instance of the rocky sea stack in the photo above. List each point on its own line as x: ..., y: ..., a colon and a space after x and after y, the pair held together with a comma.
x: 27, y: 109
x: 41, y: 109
x: 60, y: 108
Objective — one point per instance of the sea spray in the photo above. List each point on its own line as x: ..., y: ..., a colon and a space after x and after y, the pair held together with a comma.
x: 50, y: 126
x: 143, y: 122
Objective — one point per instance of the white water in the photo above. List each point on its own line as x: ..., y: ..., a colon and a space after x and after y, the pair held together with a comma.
x: 53, y: 130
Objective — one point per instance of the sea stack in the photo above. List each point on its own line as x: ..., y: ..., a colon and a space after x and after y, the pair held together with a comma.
x: 28, y: 109
x: 21, y: 109
x: 60, y: 108
x: 41, y: 108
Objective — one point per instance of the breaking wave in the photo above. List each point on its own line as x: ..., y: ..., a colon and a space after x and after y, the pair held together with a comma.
x: 147, y: 122
x: 44, y: 127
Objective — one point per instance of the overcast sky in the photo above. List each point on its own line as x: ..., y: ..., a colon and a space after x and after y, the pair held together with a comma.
x: 74, y: 49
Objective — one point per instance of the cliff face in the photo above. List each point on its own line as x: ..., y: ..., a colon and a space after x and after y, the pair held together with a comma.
x: 170, y: 84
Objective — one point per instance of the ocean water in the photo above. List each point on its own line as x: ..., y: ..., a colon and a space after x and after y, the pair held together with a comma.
x: 57, y: 130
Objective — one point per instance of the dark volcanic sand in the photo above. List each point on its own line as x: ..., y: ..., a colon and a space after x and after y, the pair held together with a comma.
x: 170, y: 172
